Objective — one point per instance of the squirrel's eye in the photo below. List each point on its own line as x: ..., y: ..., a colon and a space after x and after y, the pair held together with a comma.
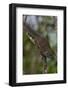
x: 47, y: 54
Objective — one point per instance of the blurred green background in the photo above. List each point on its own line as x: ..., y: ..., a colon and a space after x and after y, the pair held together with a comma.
x: 32, y: 60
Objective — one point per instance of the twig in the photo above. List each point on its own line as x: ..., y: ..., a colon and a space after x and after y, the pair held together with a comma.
x: 45, y: 66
